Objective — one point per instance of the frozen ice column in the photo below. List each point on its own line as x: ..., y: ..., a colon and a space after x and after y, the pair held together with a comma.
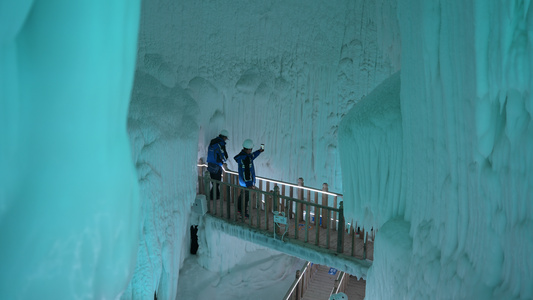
x: 68, y: 191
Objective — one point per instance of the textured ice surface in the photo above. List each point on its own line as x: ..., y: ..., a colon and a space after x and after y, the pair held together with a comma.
x: 280, y: 73
x: 468, y: 159
x: 68, y: 194
x: 370, y: 138
x: 163, y: 130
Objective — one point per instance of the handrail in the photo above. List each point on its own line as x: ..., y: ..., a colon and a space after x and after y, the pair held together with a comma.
x: 279, y: 196
x: 281, y: 182
x: 302, y: 213
x: 302, y: 277
x: 292, y: 288
x: 339, y: 284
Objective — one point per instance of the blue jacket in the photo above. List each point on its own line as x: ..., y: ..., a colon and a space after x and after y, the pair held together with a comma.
x: 246, y: 167
x: 216, y: 152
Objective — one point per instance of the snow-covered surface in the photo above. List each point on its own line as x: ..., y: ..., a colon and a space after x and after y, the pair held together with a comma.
x: 261, y: 274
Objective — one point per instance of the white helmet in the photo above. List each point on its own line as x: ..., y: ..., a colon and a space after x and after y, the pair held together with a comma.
x: 248, y: 144
x: 224, y: 133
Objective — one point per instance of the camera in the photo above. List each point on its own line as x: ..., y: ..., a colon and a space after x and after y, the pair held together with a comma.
x: 262, y: 146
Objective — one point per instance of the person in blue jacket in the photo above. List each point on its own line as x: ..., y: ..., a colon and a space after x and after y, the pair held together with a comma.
x: 245, y: 161
x: 216, y: 157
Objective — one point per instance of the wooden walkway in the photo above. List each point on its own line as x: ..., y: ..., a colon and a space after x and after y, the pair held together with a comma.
x: 295, y: 232
x: 275, y: 214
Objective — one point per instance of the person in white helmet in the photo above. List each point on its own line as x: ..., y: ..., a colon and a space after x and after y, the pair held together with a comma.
x: 216, y: 157
x: 245, y: 161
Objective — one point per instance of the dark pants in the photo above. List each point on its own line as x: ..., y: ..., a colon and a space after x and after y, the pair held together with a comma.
x: 246, y: 200
x: 215, y: 171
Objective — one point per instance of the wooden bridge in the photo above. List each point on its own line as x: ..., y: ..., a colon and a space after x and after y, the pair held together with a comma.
x: 291, y: 213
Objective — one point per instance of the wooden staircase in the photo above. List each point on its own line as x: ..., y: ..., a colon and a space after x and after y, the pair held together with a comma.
x: 321, y: 284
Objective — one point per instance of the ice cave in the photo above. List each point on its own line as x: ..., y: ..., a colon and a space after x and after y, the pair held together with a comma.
x: 417, y: 111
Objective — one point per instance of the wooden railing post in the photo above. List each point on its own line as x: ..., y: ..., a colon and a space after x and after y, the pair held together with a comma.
x: 317, y: 212
x: 242, y: 203
x: 340, y: 233
x: 300, y: 209
x: 275, y: 198
x: 207, y: 178
x: 282, y: 200
x: 226, y: 193
x: 200, y: 182
x: 290, y: 202
x: 334, y: 214
x: 235, y: 181
x: 336, y: 286
x: 364, y: 245
x: 298, y: 294
x: 260, y: 201
x: 268, y: 203
x: 325, y: 218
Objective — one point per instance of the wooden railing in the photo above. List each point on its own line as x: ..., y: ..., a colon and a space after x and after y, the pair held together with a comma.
x: 319, y: 197
x: 307, y: 207
x: 340, y: 284
x: 298, y: 287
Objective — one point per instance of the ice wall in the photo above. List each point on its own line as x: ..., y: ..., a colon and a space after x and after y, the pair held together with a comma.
x: 467, y: 170
x: 370, y: 139
x: 68, y: 193
x: 163, y: 132
x: 469, y: 137
x: 282, y: 73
